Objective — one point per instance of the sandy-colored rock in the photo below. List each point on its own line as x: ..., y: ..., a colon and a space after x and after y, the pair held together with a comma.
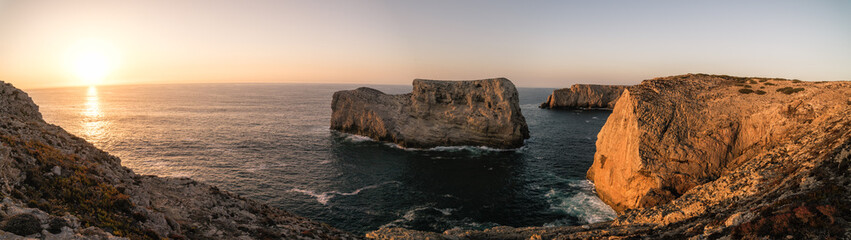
x: 582, y: 96
x: 668, y: 135
x: 436, y: 113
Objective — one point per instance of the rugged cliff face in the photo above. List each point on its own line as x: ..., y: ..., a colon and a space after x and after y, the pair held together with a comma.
x: 704, y: 156
x: 668, y: 135
x: 436, y: 113
x: 55, y: 185
x: 580, y: 96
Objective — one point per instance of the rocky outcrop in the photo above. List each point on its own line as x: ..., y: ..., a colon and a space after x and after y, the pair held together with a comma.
x: 58, y: 186
x: 582, y: 96
x: 668, y: 135
x: 436, y: 113
x: 695, y: 156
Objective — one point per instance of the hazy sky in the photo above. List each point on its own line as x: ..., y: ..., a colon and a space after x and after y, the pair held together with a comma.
x: 533, y: 43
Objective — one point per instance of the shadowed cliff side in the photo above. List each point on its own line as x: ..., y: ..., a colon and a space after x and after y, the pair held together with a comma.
x: 582, y: 96
x: 706, y: 157
x: 436, y: 113
x: 54, y: 185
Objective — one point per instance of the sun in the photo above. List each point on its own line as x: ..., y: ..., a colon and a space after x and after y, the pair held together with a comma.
x: 91, y: 61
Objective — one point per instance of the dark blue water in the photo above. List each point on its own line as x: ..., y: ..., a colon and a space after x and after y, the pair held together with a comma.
x: 271, y: 142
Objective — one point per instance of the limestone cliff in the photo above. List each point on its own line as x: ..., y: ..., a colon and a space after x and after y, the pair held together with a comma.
x: 706, y: 157
x: 668, y: 135
x: 581, y: 96
x: 436, y: 113
x: 54, y: 185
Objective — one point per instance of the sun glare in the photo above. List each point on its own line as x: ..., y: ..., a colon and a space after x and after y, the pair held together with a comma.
x: 92, y: 61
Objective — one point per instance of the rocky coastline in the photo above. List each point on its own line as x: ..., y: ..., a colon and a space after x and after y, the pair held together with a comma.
x: 714, y: 157
x: 436, y: 113
x: 683, y: 157
x: 54, y: 185
x: 584, y: 96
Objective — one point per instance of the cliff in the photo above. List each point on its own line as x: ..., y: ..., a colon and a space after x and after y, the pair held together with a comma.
x: 54, y: 185
x: 706, y: 157
x: 581, y: 96
x: 436, y: 113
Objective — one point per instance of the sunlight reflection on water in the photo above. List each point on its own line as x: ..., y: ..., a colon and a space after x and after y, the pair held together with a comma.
x: 94, y: 127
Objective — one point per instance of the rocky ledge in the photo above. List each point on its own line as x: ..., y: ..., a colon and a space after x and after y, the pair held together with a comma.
x: 706, y: 157
x: 54, y: 185
x: 583, y: 96
x: 436, y: 113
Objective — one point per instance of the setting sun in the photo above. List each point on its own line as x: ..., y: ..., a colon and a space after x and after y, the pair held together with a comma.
x: 92, y: 61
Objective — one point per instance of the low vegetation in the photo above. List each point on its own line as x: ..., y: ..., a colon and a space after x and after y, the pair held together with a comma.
x: 789, y: 90
x: 759, y: 92
x: 745, y: 91
x: 75, y: 190
x: 22, y: 224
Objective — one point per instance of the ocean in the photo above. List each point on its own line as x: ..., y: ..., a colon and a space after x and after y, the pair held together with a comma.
x: 272, y: 143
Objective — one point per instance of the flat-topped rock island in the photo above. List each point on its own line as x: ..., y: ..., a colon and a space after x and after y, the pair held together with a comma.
x: 436, y: 113
x: 583, y: 96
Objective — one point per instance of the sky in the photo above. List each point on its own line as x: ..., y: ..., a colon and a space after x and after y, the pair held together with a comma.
x: 533, y: 43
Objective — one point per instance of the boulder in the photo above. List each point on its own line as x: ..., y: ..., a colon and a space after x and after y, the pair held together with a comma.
x: 436, y: 113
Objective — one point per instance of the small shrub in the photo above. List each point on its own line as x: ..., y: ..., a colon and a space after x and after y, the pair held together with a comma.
x: 789, y: 90
x: 796, y: 81
x: 763, y: 80
x: 759, y: 92
x: 56, y: 225
x: 745, y: 91
x: 769, y: 84
x: 23, y: 225
x: 747, y: 86
x: 752, y: 81
x: 762, y: 87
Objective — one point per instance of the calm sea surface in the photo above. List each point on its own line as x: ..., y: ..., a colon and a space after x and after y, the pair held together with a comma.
x: 271, y: 142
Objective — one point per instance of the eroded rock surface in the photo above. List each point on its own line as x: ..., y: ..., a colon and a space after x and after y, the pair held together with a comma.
x: 436, y: 113
x: 668, y: 135
x: 696, y: 157
x: 582, y: 96
x: 77, y: 191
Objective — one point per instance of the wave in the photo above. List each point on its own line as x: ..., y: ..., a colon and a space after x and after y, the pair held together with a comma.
x: 354, y: 138
x: 461, y: 149
x: 584, y: 204
x: 419, y: 212
x: 324, y: 197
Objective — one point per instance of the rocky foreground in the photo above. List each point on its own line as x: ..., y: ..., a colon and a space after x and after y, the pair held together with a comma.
x: 706, y: 157
x: 436, y: 113
x: 54, y: 185
x: 584, y: 96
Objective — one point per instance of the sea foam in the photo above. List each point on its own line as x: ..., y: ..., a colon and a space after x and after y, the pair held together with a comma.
x: 324, y: 197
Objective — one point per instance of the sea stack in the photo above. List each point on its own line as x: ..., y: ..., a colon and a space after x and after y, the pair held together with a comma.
x: 583, y: 96
x: 436, y: 113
